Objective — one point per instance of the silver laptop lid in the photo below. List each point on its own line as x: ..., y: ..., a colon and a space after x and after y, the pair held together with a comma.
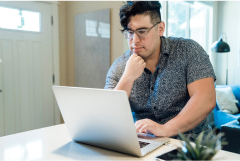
x: 98, y: 117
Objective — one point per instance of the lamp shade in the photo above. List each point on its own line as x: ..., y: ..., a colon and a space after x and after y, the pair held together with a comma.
x: 220, y: 46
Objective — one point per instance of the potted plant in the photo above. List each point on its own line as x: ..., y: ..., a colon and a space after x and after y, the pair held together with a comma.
x: 206, y: 151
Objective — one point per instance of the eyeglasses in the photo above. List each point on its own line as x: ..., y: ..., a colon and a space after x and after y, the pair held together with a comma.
x: 141, y: 33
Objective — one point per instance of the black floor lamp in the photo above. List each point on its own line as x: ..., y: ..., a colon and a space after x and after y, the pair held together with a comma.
x: 221, y: 47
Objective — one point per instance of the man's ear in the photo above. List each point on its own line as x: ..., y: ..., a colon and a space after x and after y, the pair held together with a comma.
x: 161, y: 27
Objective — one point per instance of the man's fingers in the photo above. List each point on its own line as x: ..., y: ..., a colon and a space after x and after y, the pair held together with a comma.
x: 138, y: 58
x: 136, y: 123
x: 143, y: 128
x: 149, y: 132
x: 134, y: 55
x: 138, y: 126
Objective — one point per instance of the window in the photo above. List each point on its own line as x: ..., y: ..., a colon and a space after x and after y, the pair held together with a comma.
x: 177, y: 19
x: 198, y: 23
x: 188, y: 19
x: 19, y: 19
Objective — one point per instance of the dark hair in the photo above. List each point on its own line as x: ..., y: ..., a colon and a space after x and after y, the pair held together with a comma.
x: 132, y: 8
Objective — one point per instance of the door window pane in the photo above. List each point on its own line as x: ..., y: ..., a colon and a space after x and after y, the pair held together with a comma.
x: 176, y: 19
x: 198, y: 23
x: 19, y: 19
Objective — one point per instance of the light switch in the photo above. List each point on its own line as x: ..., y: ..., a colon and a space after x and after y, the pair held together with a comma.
x: 0, y: 60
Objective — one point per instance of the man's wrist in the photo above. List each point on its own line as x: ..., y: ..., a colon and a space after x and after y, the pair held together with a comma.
x: 127, y: 78
x: 167, y: 131
x: 162, y: 131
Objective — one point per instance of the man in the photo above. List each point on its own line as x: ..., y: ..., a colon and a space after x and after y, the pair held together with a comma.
x: 169, y: 81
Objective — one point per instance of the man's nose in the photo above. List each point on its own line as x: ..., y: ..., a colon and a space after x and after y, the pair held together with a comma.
x: 135, y: 38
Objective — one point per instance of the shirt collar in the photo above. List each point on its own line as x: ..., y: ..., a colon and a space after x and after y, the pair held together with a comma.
x: 164, y: 48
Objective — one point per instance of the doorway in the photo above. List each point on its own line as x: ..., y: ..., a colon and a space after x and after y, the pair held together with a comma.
x: 27, y: 70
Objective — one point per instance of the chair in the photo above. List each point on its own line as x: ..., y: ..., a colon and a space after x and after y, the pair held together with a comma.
x: 221, y: 118
x: 232, y: 133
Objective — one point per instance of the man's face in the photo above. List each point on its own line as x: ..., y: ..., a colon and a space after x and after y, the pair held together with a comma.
x: 144, y: 47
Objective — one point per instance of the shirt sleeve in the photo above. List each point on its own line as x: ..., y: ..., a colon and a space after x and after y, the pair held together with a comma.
x: 113, y: 75
x: 199, y: 65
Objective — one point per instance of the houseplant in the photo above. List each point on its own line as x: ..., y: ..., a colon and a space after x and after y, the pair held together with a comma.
x: 202, y: 150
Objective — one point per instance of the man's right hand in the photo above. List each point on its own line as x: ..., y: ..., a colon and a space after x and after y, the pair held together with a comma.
x: 134, y: 67
x: 133, y: 70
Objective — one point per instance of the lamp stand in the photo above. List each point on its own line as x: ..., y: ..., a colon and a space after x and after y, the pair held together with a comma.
x: 227, y: 71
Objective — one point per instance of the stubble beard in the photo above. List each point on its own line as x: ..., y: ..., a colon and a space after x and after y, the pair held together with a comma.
x: 148, y: 56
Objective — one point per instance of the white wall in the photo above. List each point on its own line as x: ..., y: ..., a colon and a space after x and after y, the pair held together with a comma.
x: 229, y: 23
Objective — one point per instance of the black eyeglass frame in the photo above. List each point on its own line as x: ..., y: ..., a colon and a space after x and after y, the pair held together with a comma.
x: 124, y: 32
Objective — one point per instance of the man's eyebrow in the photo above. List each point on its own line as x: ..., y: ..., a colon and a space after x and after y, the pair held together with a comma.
x: 138, y: 28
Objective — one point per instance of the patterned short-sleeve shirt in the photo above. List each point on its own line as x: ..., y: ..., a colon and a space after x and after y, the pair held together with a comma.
x: 160, y: 96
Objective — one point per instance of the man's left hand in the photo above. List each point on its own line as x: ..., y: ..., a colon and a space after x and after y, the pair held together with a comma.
x: 150, y: 127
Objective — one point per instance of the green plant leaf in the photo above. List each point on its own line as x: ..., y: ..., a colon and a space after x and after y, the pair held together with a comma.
x: 198, y: 144
x: 212, y: 143
x: 208, y: 154
x: 209, y: 135
x: 191, y: 151
x: 182, y: 155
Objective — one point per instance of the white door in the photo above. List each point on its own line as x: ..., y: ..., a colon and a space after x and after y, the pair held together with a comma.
x: 26, y: 72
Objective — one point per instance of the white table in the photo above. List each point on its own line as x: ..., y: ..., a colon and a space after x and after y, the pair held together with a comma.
x: 54, y: 143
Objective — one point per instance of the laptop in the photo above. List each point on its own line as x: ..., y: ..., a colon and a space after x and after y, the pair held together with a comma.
x: 103, y: 118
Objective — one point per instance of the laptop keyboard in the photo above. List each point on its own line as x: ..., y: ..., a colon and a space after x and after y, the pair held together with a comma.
x: 143, y: 144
